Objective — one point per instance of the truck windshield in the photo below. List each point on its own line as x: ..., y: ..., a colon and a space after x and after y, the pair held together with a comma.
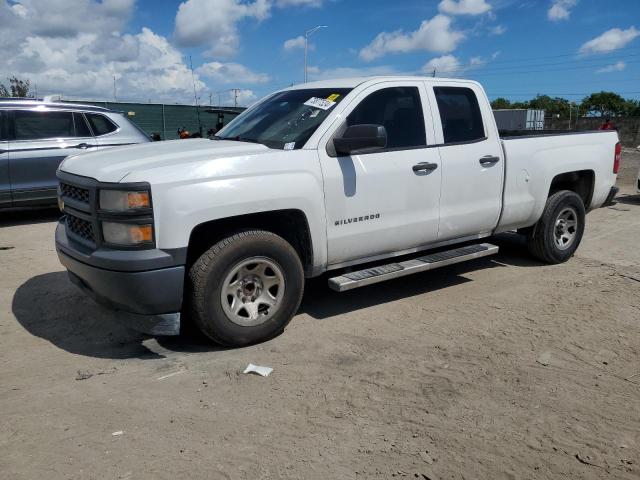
x: 286, y: 120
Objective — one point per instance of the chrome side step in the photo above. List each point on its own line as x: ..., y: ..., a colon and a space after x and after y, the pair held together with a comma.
x: 360, y: 278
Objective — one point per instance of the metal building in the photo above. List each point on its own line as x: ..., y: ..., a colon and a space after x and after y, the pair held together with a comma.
x: 519, y: 119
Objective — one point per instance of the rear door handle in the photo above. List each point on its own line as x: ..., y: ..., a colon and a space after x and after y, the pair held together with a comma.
x: 489, y: 160
x: 425, y: 167
x: 82, y: 146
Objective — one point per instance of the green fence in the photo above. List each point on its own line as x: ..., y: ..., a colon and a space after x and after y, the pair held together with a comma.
x: 165, y: 120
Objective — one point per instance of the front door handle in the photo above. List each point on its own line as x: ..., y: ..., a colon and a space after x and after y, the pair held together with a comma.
x: 489, y: 160
x: 425, y: 167
x: 83, y: 146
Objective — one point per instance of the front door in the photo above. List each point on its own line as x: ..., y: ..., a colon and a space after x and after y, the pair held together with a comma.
x: 41, y: 140
x: 377, y: 202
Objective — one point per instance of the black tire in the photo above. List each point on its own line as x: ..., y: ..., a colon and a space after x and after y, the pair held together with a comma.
x: 209, y: 272
x: 541, y: 239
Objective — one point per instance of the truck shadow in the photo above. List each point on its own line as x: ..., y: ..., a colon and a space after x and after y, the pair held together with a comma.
x: 50, y: 307
x: 28, y: 216
x: 320, y: 302
x: 628, y: 199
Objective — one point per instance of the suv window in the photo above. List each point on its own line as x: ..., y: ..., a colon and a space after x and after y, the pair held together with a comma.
x: 33, y: 125
x: 399, y: 110
x: 460, y: 114
x: 82, y: 129
x: 100, y: 124
x: 3, y: 126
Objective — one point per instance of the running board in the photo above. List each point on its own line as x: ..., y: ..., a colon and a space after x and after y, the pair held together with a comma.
x: 351, y: 280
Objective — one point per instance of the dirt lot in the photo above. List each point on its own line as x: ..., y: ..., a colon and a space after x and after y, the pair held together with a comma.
x: 502, y: 368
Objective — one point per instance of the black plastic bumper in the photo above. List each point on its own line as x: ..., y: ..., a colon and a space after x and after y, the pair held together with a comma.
x: 610, y: 198
x: 148, y: 301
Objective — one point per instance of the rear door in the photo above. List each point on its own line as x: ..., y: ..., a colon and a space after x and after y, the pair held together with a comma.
x: 5, y: 184
x: 472, y: 161
x: 41, y: 139
x: 376, y: 202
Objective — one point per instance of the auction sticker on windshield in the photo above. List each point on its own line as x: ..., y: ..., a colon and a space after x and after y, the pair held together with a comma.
x: 321, y: 103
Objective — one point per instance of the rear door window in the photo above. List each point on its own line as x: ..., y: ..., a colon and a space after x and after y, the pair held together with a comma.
x: 399, y: 110
x: 34, y: 125
x: 82, y: 129
x: 100, y: 124
x: 460, y: 114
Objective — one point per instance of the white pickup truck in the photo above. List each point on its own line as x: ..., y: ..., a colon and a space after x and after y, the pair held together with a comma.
x: 356, y: 177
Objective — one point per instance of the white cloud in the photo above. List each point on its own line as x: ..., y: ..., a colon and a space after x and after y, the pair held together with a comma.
x: 76, y: 47
x: 316, y: 73
x: 560, y: 10
x: 464, y: 7
x: 213, y: 23
x: 294, y: 43
x: 610, y: 40
x: 449, y: 65
x: 497, y: 30
x: 298, y: 3
x: 616, y: 67
x: 435, y: 35
x: 231, y: 73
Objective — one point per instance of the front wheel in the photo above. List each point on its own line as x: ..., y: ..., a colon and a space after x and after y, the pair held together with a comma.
x: 556, y: 236
x: 246, y: 288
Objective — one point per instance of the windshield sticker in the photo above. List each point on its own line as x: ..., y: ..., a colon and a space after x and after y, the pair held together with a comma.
x: 290, y: 146
x: 333, y: 97
x: 320, y: 103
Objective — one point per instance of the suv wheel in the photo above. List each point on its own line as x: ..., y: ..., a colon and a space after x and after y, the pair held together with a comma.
x: 556, y: 236
x: 246, y: 288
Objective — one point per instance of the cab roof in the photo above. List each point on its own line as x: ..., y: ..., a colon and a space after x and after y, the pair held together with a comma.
x: 353, y: 82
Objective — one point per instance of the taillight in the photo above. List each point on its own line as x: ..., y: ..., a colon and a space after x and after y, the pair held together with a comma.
x: 616, y: 158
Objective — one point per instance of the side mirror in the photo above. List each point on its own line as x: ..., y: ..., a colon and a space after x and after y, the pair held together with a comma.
x: 361, y: 139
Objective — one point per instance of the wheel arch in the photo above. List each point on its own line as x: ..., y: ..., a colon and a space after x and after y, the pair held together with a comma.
x: 290, y: 224
x: 582, y: 182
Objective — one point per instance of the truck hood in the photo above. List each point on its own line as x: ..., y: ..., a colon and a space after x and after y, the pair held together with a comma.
x: 114, y: 164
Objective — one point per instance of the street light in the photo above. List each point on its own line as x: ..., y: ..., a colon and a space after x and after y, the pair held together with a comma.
x: 307, y: 34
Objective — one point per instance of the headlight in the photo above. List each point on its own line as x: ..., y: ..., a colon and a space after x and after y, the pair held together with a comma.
x: 124, y: 201
x: 127, y: 233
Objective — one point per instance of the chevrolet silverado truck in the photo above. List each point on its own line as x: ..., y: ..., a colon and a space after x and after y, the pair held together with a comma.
x: 363, y: 180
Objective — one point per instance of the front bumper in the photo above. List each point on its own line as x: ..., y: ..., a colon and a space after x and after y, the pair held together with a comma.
x: 611, y: 197
x: 148, y: 301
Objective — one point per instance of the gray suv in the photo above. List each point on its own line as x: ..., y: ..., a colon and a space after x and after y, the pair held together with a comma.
x: 35, y: 136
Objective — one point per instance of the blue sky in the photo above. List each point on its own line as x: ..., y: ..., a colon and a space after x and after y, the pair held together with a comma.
x: 516, y: 48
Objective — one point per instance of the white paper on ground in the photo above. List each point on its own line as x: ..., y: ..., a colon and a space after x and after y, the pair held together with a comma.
x: 263, y: 371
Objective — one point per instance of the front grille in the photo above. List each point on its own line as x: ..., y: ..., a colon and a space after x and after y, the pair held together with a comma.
x: 81, y: 228
x: 75, y: 193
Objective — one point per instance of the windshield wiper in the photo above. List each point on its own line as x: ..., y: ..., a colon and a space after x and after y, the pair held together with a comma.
x: 240, y: 139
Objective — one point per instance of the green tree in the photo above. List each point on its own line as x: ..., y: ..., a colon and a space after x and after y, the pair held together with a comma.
x: 17, y: 88
x: 551, y: 105
x: 500, y: 104
x: 604, y: 104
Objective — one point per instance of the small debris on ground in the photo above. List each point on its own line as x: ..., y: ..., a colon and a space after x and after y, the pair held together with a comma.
x: 83, y: 375
x: 262, y: 371
x: 544, y: 358
x: 117, y: 434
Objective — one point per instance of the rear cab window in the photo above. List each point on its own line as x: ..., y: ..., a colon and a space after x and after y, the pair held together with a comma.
x: 460, y: 115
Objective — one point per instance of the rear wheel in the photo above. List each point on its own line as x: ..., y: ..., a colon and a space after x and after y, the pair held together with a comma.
x: 557, y: 235
x: 246, y: 288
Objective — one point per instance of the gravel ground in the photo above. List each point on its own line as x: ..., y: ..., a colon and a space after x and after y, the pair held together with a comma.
x: 500, y: 368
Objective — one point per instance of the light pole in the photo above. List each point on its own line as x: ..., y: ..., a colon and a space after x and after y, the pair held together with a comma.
x: 307, y: 34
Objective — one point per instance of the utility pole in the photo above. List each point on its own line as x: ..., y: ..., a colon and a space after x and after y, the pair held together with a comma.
x: 307, y: 34
x: 434, y: 72
x: 195, y: 96
x: 236, y: 91
x: 115, y: 97
x: 210, y: 98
